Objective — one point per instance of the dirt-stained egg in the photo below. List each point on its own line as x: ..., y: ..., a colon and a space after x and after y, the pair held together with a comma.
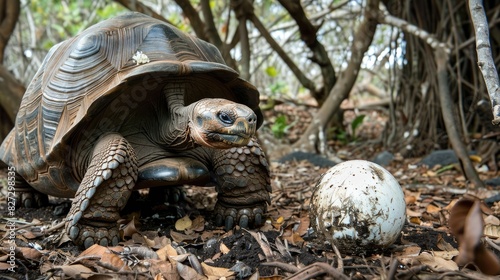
x: 358, y: 206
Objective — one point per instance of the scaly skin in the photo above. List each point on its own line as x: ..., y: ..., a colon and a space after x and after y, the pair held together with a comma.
x: 103, y: 192
x: 26, y: 196
x: 243, y: 185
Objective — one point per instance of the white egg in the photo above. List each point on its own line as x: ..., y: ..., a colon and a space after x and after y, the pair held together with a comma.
x: 358, y: 206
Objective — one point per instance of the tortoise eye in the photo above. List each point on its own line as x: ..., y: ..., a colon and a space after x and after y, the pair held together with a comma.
x: 225, y: 118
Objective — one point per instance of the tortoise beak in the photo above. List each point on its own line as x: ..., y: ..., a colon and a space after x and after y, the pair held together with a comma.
x: 239, y: 133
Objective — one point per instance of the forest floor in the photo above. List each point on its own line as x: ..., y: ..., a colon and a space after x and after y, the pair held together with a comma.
x: 161, y: 244
x: 283, y: 248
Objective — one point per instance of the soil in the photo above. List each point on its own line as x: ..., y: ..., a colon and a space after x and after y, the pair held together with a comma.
x: 245, y: 255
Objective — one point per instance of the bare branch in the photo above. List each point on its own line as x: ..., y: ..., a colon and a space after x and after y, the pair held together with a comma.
x: 306, y: 82
x: 138, y: 6
x: 485, y: 59
x: 340, y: 91
x: 308, y: 34
x: 210, y: 29
x: 194, y: 18
x: 243, y: 10
x: 386, y: 18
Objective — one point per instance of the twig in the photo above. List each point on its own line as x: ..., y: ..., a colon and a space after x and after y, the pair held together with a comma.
x: 317, y: 269
x: 485, y: 59
x: 393, y: 269
x: 309, y: 271
x: 286, y: 267
x: 412, y: 271
x: 492, y: 244
x: 340, y: 266
x: 56, y: 227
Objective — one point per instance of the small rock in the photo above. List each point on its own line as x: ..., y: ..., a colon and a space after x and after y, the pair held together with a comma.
x: 313, y: 158
x: 241, y: 269
x: 442, y: 157
x: 494, y: 182
x: 384, y: 158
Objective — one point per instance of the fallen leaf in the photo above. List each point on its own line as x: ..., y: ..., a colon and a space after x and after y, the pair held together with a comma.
x: 410, y: 251
x: 115, y: 261
x: 180, y: 237
x: 5, y: 266
x: 166, y: 251
x: 447, y: 255
x: 30, y: 235
x: 282, y: 248
x: 410, y: 199
x: 223, y: 248
x: 294, y: 239
x: 264, y: 244
x: 475, y: 158
x: 432, y: 209
x: 412, y: 213
x: 198, y: 224
x: 187, y: 272
x: 443, y: 245
x: 304, y: 224
x: 75, y: 271
x: 164, y: 269
x: 161, y: 241
x: 129, y: 229
x: 217, y: 272
x: 94, y: 250
x: 183, y: 223
x: 466, y: 224
x: 492, y: 231
x: 492, y: 220
x: 437, y: 263
x: 30, y: 253
x: 415, y: 220
x: 279, y: 222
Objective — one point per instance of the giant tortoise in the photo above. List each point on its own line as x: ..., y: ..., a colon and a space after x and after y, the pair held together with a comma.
x: 133, y: 102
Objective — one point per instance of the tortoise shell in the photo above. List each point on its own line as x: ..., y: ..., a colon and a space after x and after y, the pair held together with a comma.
x: 85, y: 75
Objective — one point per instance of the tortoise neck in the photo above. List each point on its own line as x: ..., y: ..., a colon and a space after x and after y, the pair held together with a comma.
x: 174, y: 94
x: 175, y: 132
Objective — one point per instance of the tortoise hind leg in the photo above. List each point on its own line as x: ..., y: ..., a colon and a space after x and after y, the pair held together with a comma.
x: 103, y: 192
x: 25, y: 195
x: 28, y: 197
x: 243, y: 185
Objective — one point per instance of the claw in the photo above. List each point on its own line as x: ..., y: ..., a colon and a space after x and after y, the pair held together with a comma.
x: 229, y: 223
x: 219, y: 220
x: 244, y: 221
x: 89, y: 241
x: 258, y: 219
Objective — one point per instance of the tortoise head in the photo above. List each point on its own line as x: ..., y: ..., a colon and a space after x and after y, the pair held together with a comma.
x: 222, y: 124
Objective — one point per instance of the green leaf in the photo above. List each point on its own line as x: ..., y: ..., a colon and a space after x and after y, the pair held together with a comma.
x: 356, y: 123
x: 279, y: 127
x: 271, y: 71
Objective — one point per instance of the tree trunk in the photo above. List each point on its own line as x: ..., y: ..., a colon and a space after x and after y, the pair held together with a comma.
x: 450, y: 121
x: 11, y: 90
x: 340, y: 91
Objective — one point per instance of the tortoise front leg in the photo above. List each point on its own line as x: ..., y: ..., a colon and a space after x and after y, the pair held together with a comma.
x: 103, y: 192
x: 243, y: 185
